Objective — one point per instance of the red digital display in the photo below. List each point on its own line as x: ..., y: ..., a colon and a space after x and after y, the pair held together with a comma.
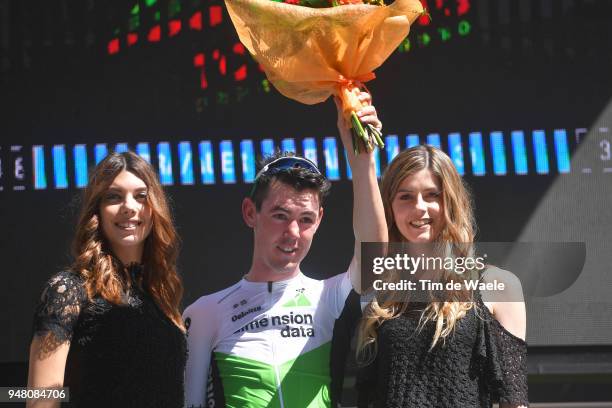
x: 222, y: 62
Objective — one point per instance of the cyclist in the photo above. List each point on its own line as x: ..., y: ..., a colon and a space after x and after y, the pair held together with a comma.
x: 266, y: 340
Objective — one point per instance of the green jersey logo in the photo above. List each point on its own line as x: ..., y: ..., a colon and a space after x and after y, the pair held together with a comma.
x: 300, y: 300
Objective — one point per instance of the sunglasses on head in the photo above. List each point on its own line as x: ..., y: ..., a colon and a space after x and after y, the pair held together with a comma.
x: 282, y: 164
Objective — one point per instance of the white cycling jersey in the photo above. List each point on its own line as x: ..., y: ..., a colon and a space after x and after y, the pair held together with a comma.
x: 263, y: 344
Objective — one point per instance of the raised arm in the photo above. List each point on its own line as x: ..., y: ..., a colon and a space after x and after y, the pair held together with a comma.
x: 368, y: 213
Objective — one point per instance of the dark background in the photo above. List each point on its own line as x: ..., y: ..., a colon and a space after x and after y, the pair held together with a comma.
x: 524, y: 65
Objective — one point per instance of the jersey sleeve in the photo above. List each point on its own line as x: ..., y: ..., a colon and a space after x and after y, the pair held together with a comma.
x: 335, y: 291
x: 201, y: 324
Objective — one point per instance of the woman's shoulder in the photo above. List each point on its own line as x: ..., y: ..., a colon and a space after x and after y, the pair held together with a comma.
x: 66, y: 276
x: 492, y: 273
x: 59, y: 306
x: 504, y: 301
x: 65, y: 288
x: 65, y: 282
x: 501, y: 285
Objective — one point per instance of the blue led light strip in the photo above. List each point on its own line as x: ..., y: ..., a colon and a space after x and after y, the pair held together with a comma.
x: 539, y: 148
x: 100, y: 152
x: 562, y: 151
x: 349, y: 172
x: 121, y: 148
x: 309, y: 147
x: 327, y: 152
x: 498, y: 151
x: 267, y: 147
x: 164, y: 157
x: 456, y: 152
x: 330, y: 152
x: 519, y: 152
x: 392, y: 147
x: 477, y: 154
x: 59, y: 166
x: 207, y: 167
x: 38, y: 158
x: 247, y: 155
x: 434, y: 140
x: 288, y: 145
x: 142, y: 149
x: 80, y: 165
x: 412, y: 140
x: 186, y: 163
x: 228, y: 170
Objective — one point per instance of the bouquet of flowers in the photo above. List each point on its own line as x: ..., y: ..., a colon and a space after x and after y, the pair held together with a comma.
x: 311, y: 49
x: 330, y: 3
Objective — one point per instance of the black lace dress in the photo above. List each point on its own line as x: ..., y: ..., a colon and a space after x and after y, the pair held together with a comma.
x: 128, y: 355
x: 480, y: 363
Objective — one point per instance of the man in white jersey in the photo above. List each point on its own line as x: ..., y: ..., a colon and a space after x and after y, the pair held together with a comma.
x: 265, y: 341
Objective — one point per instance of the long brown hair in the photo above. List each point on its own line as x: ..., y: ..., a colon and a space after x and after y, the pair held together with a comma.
x: 459, y: 228
x: 93, y: 257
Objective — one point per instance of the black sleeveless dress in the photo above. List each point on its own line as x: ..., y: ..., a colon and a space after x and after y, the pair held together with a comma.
x: 127, y: 355
x: 480, y: 363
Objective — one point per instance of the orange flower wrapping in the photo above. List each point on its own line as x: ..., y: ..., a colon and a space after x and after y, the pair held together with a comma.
x: 309, y: 54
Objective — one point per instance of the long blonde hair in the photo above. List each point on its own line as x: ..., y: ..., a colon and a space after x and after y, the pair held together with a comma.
x: 459, y: 228
x: 93, y: 257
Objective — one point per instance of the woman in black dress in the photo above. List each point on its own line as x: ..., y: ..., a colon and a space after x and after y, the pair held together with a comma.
x: 109, y: 327
x: 440, y: 353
